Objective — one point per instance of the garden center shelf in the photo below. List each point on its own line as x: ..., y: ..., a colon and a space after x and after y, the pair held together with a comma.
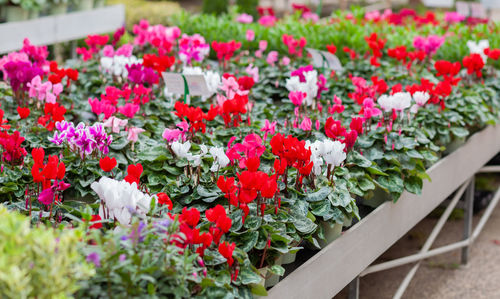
x: 330, y: 270
x: 61, y: 28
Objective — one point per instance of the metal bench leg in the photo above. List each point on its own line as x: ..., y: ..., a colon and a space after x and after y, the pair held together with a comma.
x: 468, y: 214
x: 354, y: 288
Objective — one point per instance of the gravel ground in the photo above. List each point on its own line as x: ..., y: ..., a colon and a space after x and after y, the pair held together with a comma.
x: 442, y: 276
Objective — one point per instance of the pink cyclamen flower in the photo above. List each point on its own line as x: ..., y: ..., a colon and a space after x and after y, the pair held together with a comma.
x: 306, y: 124
x: 453, y: 17
x: 253, y: 72
x: 230, y: 86
x: 125, y: 50
x: 115, y: 124
x: 297, y: 97
x: 267, y: 21
x: 129, y: 110
x: 171, y: 135
x: 244, y: 18
x: 133, y: 134
x: 369, y: 109
x: 108, y: 51
x: 272, y: 57
x: 310, y: 16
x: 429, y: 44
x: 269, y: 128
x: 285, y: 61
x: 250, y: 35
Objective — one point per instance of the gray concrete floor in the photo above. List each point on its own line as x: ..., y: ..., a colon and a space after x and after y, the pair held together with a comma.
x: 442, y: 276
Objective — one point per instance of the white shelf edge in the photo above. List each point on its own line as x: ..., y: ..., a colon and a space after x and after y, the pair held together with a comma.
x: 60, y: 28
x: 331, y: 269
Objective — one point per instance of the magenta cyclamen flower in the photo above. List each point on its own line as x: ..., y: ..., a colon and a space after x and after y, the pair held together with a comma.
x: 129, y: 110
x: 140, y: 74
x: 429, y: 44
x: 453, y: 17
x: 46, y: 196
x: 297, y: 97
x: 193, y: 48
x: 20, y: 73
x: 102, y: 106
x: 300, y: 72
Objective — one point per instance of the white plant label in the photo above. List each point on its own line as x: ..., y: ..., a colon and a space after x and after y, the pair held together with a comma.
x: 197, y: 86
x: 325, y: 59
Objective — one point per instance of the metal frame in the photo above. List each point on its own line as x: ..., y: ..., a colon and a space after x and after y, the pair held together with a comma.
x: 468, y: 238
x: 61, y: 28
x: 342, y: 261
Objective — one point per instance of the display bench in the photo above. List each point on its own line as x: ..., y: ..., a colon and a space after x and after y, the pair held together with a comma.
x: 61, y: 28
x: 342, y: 261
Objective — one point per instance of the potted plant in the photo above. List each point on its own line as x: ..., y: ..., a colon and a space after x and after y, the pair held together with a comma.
x: 84, y: 5
x: 58, y: 7
x: 99, y: 3
x: 19, y: 10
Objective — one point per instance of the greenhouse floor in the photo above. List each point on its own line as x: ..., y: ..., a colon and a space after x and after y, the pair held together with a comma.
x: 442, y: 276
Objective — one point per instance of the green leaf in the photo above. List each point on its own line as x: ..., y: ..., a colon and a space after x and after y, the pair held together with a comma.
x: 393, y: 183
x: 414, y: 154
x: 277, y: 269
x: 247, y: 276
x: 359, y: 160
x: 302, y: 224
x: 376, y: 170
x: 247, y: 241
x: 258, y: 289
x: 414, y: 185
x: 366, y: 184
x: 253, y: 222
x: 319, y: 195
x: 205, y: 193
x: 459, y: 132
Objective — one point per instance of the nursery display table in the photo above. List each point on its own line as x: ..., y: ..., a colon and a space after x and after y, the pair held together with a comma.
x: 342, y: 261
x: 61, y: 28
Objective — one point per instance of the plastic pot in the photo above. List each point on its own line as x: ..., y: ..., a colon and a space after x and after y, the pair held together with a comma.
x: 15, y: 13
x: 454, y: 145
x: 288, y: 258
x: 331, y: 232
x: 33, y: 14
x: 85, y: 5
x: 379, y: 197
x: 59, y: 9
x: 99, y: 3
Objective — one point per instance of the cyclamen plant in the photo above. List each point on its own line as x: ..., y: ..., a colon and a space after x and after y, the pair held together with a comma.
x: 197, y: 198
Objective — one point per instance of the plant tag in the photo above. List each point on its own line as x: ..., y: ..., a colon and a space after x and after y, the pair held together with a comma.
x: 194, y: 85
x: 438, y: 3
x: 174, y: 82
x: 197, y: 85
x: 325, y: 59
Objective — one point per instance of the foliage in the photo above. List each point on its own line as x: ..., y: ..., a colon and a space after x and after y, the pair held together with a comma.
x: 38, y: 262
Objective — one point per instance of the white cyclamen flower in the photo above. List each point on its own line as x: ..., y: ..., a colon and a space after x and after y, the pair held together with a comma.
x: 335, y: 154
x: 401, y: 100
x: 181, y: 150
x: 196, y: 159
x: 479, y: 47
x: 386, y: 102
x: 421, y: 97
x: 220, y: 158
x: 121, y: 200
